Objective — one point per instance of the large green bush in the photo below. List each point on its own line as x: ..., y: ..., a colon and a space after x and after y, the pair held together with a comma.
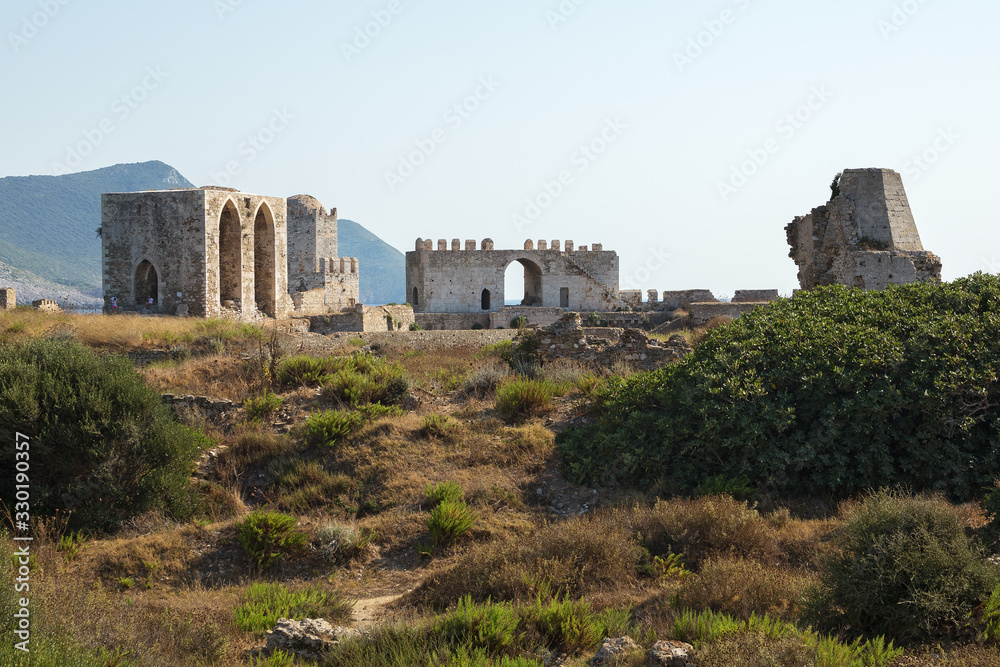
x: 905, y: 569
x: 102, y: 444
x: 834, y: 391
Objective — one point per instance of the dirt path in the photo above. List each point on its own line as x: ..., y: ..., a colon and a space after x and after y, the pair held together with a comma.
x: 367, y: 612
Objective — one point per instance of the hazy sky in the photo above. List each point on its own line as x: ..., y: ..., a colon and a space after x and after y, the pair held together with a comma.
x: 683, y: 135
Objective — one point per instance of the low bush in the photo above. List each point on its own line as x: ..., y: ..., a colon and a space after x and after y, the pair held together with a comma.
x: 337, y: 543
x: 263, y: 406
x: 566, y: 625
x: 836, y: 390
x: 570, y: 558
x: 267, y: 537
x: 741, y: 588
x: 906, y: 570
x: 488, y: 626
x: 449, y: 521
x: 263, y: 604
x: 522, y: 398
x: 368, y: 379
x: 710, y: 526
x: 443, y: 492
x: 111, y: 449
x: 484, y: 379
x: 436, y: 426
x: 329, y: 428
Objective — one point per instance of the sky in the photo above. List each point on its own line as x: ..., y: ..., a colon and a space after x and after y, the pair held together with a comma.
x: 683, y: 135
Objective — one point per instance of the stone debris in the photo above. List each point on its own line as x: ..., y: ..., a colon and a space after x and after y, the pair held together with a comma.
x: 668, y: 653
x: 613, y: 651
x: 566, y: 339
x: 309, y: 638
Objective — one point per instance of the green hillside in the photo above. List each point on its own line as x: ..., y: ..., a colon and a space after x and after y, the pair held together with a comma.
x: 49, y: 228
x: 383, y: 268
x: 49, y: 222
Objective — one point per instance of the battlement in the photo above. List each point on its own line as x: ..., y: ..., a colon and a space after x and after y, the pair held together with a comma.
x: 341, y: 265
x: 456, y: 245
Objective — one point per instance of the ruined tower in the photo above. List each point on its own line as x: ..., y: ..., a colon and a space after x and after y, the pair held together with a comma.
x: 865, y: 236
x: 319, y: 280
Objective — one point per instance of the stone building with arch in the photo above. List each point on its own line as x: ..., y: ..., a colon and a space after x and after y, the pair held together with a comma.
x: 468, y: 279
x: 213, y: 252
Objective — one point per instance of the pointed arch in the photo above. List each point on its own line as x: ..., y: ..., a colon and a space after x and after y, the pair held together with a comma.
x: 230, y: 254
x: 264, y: 260
x: 532, y: 281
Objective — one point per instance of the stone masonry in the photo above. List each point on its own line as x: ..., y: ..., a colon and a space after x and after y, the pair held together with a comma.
x: 466, y: 279
x: 212, y: 252
x: 8, y: 298
x: 865, y: 236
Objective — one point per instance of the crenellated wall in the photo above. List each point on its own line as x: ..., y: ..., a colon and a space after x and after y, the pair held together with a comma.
x: 459, y: 278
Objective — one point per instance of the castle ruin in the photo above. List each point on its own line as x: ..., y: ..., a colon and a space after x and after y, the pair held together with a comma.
x: 213, y: 252
x: 865, y: 236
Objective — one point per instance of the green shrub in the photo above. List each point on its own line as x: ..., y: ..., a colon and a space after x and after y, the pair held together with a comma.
x: 414, y: 326
x: 436, y: 426
x: 106, y: 446
x: 836, y: 390
x: 368, y: 380
x: 906, y: 570
x: 488, y: 626
x: 305, y: 371
x: 337, y: 543
x: 720, y: 485
x: 566, y: 625
x: 477, y: 327
x: 263, y: 406
x: 443, y: 492
x: 376, y: 411
x: 519, y: 322
x: 329, y: 428
x: 266, y: 537
x: 449, y: 521
x: 263, y: 604
x: 522, y: 398
x: 277, y: 659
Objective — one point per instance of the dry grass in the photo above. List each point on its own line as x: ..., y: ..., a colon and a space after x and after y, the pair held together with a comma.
x: 216, y: 376
x: 121, y: 333
x: 741, y: 587
x: 706, y: 527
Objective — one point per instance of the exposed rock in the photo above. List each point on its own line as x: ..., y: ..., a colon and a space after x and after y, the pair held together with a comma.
x: 613, y: 651
x: 669, y: 653
x: 566, y: 339
x: 309, y: 638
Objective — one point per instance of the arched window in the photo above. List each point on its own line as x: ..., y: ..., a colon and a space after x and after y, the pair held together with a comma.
x: 264, y: 253
x: 487, y: 299
x: 415, y: 299
x: 230, y: 255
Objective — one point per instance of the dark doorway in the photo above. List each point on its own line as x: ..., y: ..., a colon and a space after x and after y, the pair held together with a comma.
x: 564, y: 297
x: 230, y: 255
x: 147, y: 284
x: 487, y: 299
x: 416, y: 298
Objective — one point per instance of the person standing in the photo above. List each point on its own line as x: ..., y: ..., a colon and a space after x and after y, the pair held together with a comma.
x: 114, y: 305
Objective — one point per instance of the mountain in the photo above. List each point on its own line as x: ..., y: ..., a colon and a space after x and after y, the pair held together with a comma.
x: 383, y: 268
x: 48, y: 223
x: 49, y: 246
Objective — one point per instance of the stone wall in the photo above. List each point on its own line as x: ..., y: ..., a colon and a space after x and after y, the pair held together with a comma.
x: 755, y: 295
x: 46, y: 306
x: 537, y: 317
x: 363, y: 318
x: 8, y: 298
x: 452, y: 321
x: 462, y: 279
x: 863, y: 237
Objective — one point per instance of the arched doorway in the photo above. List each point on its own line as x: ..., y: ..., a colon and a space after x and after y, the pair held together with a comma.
x: 415, y: 299
x: 230, y: 255
x: 264, y: 253
x: 523, y: 278
x: 147, y: 284
x: 487, y: 299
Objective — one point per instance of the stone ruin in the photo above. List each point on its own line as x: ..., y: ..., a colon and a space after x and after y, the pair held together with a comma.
x: 469, y: 279
x: 865, y: 236
x: 214, y: 252
x: 8, y: 298
x: 568, y: 339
